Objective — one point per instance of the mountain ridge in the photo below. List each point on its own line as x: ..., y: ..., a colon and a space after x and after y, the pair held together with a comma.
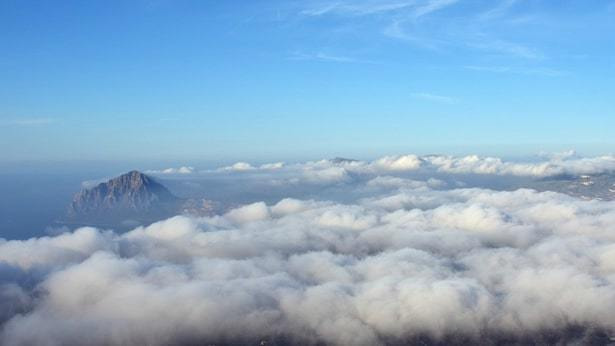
x: 130, y: 195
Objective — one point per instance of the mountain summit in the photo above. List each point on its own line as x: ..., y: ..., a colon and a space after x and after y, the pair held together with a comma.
x: 133, y: 195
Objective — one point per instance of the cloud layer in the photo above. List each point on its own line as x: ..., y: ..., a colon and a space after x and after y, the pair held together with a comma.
x: 411, y: 264
x: 172, y: 170
x: 553, y: 165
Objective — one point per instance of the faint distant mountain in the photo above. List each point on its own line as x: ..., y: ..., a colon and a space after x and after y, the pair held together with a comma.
x: 132, y: 199
x: 133, y: 196
x: 599, y: 186
x: 342, y: 160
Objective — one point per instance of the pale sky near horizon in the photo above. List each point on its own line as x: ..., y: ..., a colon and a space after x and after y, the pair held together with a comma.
x: 260, y: 80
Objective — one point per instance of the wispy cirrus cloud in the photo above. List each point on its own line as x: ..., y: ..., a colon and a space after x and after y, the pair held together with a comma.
x: 396, y: 30
x: 410, y: 32
x: 356, y: 8
x: 433, y: 97
x: 545, y: 72
x: 363, y: 8
x: 325, y: 57
x: 432, y: 6
x: 421, y: 24
x: 507, y: 48
x: 499, y: 10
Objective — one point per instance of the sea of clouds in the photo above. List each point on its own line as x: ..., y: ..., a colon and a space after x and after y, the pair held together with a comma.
x: 401, y: 261
x: 548, y: 165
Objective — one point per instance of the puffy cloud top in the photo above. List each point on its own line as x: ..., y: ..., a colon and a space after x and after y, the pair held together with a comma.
x: 398, y: 163
x: 413, y: 264
x: 564, y: 163
x: 239, y: 166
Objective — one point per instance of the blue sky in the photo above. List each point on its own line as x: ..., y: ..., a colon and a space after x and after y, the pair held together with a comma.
x: 261, y: 80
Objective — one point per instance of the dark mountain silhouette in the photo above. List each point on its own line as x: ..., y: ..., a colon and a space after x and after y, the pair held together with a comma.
x: 342, y: 160
x: 132, y: 196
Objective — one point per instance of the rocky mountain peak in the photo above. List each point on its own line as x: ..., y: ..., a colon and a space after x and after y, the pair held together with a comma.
x: 133, y: 193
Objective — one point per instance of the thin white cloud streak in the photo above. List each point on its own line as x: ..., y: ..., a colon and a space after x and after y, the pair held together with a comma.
x: 468, y: 264
x: 357, y: 8
x: 434, y: 97
x: 408, y: 18
x: 365, y: 8
x: 506, y: 48
x: 545, y: 72
x: 433, y: 6
x: 460, y: 40
x: 397, y: 31
x: 485, y: 44
x: 324, y: 57
x: 499, y: 10
x: 319, y: 11
x: 88, y: 184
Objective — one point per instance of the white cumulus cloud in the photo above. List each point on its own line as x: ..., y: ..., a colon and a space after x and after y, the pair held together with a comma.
x: 411, y: 264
